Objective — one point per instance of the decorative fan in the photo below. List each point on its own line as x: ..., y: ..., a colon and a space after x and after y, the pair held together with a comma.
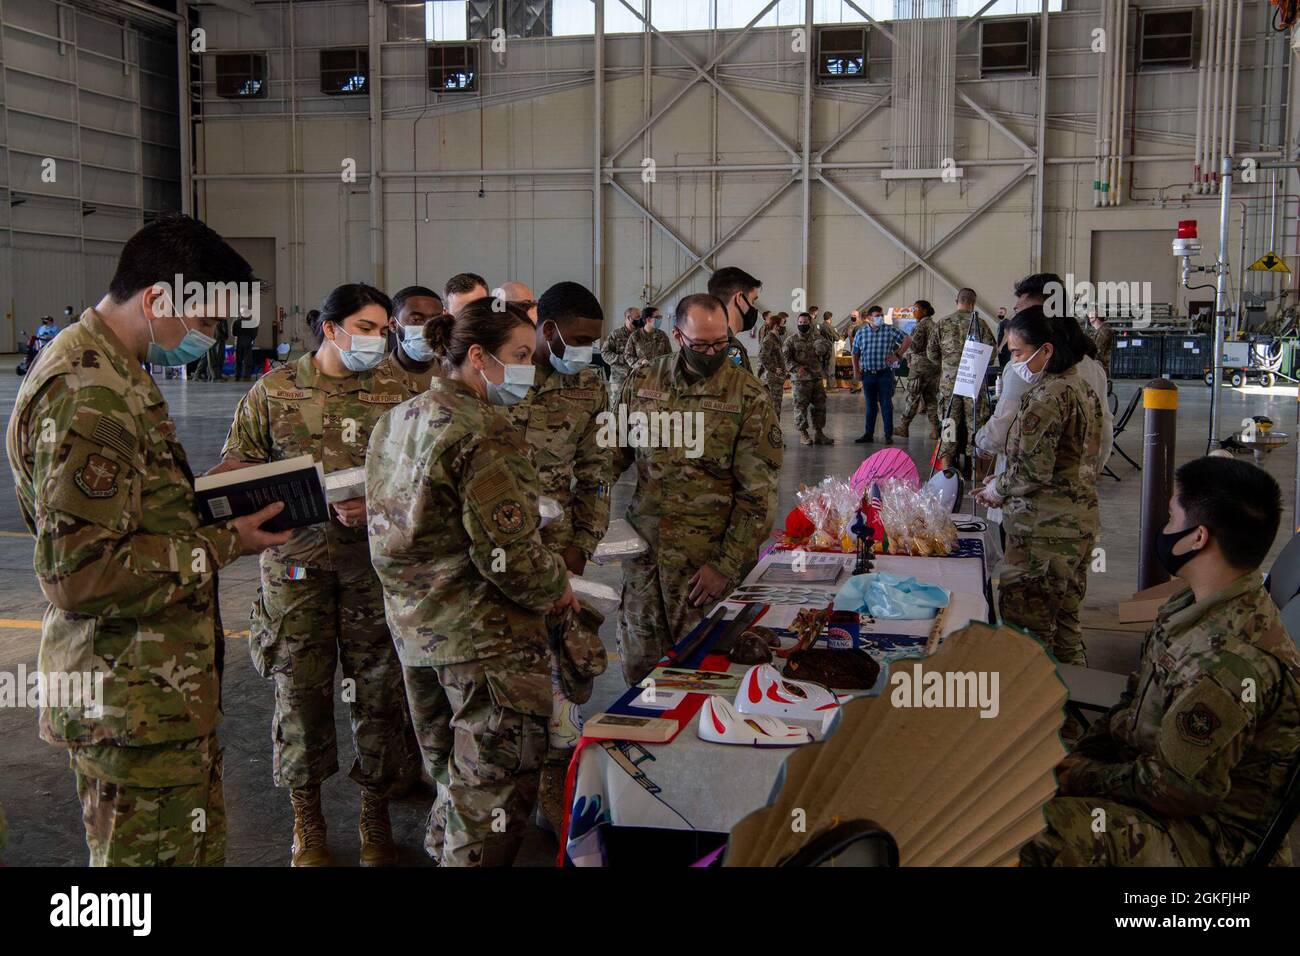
x: 952, y: 788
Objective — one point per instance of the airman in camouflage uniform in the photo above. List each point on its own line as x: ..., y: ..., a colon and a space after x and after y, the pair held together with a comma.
x: 320, y: 603
x: 737, y: 354
x: 645, y: 345
x: 714, y: 509
x: 944, y: 351
x: 612, y: 350
x: 1191, y: 765
x: 922, y: 383
x: 130, y: 574
x: 561, y: 418
x: 452, y: 500
x: 771, y: 367
x: 1049, y: 510
x: 826, y: 330
x: 1103, y: 336
x: 805, y: 356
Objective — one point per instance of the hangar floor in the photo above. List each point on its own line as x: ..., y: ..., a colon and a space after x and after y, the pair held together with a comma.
x: 36, y: 788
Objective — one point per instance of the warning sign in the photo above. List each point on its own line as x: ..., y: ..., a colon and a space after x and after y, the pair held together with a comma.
x: 1271, y: 262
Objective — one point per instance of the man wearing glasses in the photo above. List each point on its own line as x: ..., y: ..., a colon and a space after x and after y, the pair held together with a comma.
x: 707, y: 450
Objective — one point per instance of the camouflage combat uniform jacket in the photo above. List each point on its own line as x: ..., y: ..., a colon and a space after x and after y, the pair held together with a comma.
x: 561, y: 419
x: 1104, y: 338
x: 717, y: 508
x: 737, y: 354
x: 298, y: 410
x: 945, y: 347
x: 644, y: 345
x: 451, y: 497
x: 919, y: 362
x: 805, y: 355
x: 105, y: 487
x: 1050, y: 482
x: 1208, y: 726
x: 612, y: 351
x: 771, y: 361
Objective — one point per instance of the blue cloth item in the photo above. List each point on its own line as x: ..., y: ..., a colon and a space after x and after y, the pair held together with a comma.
x: 887, y: 596
x: 873, y: 346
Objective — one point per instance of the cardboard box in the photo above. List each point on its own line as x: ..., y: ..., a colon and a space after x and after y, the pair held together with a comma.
x: 1143, y: 605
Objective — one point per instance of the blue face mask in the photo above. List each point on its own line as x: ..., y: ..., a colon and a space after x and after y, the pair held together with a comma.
x: 414, y: 344
x: 365, y: 353
x: 192, y: 347
x: 576, y: 357
x: 518, y: 380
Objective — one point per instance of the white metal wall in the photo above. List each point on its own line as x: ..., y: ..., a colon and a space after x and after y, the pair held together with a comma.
x: 92, y: 103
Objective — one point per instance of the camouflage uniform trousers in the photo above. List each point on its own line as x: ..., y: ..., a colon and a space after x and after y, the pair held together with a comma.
x: 482, y: 727
x: 300, y: 631
x: 1041, y: 587
x: 1126, y: 836
x: 809, y: 397
x: 655, y: 613
x: 921, y: 389
x: 776, y: 391
x: 964, y: 410
x: 156, y: 826
x: 616, y: 379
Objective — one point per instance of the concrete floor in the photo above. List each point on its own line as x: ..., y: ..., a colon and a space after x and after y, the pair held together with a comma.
x: 36, y: 787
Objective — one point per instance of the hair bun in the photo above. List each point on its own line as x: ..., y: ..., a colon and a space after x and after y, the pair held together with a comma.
x: 437, y: 331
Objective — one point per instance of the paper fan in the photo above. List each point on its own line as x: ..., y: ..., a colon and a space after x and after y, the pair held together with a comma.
x: 886, y: 463
x: 952, y: 788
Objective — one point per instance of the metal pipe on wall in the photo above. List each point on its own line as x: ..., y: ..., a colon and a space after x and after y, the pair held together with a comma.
x: 1220, y: 296
x: 183, y: 108
x: 1040, y: 152
x: 1197, y: 162
x: 374, y: 87
x: 598, y: 160
x: 806, y: 197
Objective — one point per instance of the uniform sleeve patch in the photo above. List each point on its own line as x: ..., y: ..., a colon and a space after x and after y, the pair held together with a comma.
x: 652, y: 393
x: 382, y: 398
x: 713, y: 405
x: 508, y: 516
x: 1200, y: 723
x: 490, y: 486
x: 97, y: 477
x: 774, y: 435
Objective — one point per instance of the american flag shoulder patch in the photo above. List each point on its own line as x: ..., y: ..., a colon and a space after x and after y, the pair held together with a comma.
x: 111, y: 434
x: 491, y: 485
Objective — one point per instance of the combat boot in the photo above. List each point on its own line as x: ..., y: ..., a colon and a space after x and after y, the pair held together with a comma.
x: 310, y: 846
x: 550, y: 797
x: 900, y: 431
x: 377, y: 847
x: 804, y: 438
x: 821, y: 438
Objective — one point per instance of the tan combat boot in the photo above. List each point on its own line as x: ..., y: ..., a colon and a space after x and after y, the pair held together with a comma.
x: 804, y: 437
x: 310, y: 847
x: 377, y: 847
x: 900, y: 431
x: 821, y: 438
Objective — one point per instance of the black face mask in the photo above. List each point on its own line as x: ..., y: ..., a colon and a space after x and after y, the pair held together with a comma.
x: 1165, y: 541
x: 804, y: 328
x: 701, y: 365
x: 748, y: 318
x: 638, y: 323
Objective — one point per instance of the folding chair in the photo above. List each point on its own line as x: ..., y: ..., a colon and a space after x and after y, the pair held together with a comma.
x: 1120, y: 424
x: 1283, y: 581
x: 1285, y: 818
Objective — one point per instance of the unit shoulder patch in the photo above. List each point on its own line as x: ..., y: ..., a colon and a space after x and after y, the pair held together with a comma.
x: 508, y: 516
x: 97, y: 477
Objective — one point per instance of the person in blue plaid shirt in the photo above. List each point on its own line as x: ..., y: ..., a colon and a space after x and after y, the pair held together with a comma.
x: 877, y: 350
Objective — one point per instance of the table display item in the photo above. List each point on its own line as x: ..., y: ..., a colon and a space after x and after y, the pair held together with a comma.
x: 845, y: 670
x: 844, y: 630
x: 797, y: 572
x: 721, y: 723
x: 667, y: 677
x: 648, y: 730
x: 620, y: 543
x: 654, y: 698
x: 764, y: 691
x: 865, y: 537
x: 950, y: 787
x: 830, y: 505
x: 916, y: 521
x: 891, y: 597
x: 750, y: 648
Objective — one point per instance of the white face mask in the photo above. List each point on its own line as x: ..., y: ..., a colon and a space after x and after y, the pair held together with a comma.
x: 364, y: 352
x: 1022, y: 368
x: 515, y: 385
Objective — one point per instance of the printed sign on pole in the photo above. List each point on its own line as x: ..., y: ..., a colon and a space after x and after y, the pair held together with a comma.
x: 975, y: 358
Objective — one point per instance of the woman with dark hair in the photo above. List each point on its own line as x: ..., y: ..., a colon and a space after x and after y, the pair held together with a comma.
x: 922, y: 383
x: 320, y: 602
x: 452, y: 498
x: 1048, y: 491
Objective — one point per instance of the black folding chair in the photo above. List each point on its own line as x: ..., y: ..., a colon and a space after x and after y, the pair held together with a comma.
x: 1283, y: 581
x: 1121, y: 423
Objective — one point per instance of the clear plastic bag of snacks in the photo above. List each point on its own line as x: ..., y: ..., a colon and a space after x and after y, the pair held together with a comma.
x: 830, y: 506
x: 915, y: 520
